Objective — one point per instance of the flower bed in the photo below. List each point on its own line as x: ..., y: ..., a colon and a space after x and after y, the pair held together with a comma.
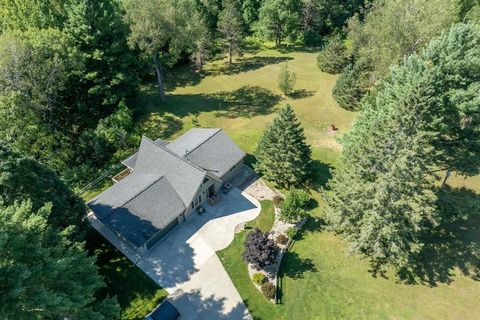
x: 270, y: 272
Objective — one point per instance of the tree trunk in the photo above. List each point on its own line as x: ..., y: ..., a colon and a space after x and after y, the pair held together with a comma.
x: 447, y: 174
x: 158, y: 71
x: 230, y: 52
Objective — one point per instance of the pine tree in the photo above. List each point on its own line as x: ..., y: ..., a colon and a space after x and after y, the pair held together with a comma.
x: 334, y: 57
x: 283, y: 156
x: 230, y: 27
x: 43, y: 273
x: 99, y: 32
x: 352, y: 85
x: 383, y: 196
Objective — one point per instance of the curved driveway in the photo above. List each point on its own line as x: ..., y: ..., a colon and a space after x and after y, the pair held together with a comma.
x: 185, y: 263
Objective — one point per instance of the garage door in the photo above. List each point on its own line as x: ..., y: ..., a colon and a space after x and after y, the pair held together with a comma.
x: 151, y: 242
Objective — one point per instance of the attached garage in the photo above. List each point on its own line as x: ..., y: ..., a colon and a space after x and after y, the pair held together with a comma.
x: 162, y: 233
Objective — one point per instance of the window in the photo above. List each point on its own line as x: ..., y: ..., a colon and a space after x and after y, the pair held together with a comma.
x: 196, y: 201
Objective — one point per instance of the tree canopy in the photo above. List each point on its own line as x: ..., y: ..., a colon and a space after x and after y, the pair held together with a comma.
x: 424, y: 117
x: 283, y: 156
x: 44, y: 275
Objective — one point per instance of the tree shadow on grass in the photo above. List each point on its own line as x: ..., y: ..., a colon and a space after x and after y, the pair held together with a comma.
x: 161, y: 125
x: 245, y: 65
x: 321, y: 173
x: 295, y: 267
x: 301, y: 94
x: 247, y: 101
x: 454, y: 245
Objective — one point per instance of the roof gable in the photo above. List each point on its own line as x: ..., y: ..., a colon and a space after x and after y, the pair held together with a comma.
x: 184, y: 177
x: 216, y: 154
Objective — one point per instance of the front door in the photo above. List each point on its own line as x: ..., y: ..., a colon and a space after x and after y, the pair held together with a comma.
x: 211, y: 191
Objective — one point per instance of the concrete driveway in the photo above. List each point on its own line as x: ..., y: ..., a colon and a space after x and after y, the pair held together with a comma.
x: 185, y: 263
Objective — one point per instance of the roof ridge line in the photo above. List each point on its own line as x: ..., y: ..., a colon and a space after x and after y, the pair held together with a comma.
x: 174, y: 154
x: 200, y: 144
x: 136, y: 195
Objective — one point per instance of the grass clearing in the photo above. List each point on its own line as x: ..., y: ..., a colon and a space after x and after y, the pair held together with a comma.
x: 319, y: 279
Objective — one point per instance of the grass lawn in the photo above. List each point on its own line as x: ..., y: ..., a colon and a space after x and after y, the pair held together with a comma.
x: 265, y: 219
x: 320, y: 280
x: 137, y: 294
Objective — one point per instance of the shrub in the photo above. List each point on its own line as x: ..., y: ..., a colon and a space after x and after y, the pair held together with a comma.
x: 277, y: 200
x: 286, y: 80
x: 268, y: 290
x: 260, y: 251
x: 282, y: 239
x: 293, y: 208
x: 334, y: 57
x: 258, y: 278
x: 292, y: 232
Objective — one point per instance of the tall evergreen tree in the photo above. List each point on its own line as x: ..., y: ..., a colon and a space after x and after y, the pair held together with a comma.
x: 22, y: 178
x: 230, y: 27
x: 98, y: 31
x: 282, y: 153
x: 43, y: 274
x: 424, y: 118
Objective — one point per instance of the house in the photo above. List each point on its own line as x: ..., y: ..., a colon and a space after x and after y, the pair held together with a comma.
x: 166, y: 184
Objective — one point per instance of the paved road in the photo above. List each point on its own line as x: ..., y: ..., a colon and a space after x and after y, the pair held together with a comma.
x: 185, y: 263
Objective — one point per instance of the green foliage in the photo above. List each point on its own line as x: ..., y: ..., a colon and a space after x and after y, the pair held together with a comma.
x: 26, y: 14
x: 474, y: 14
x: 334, y: 57
x: 292, y: 232
x: 286, y: 80
x: 250, y: 10
x: 269, y: 290
x: 283, y: 156
x: 230, y: 28
x: 163, y: 30
x: 293, y: 208
x: 44, y: 274
x: 277, y: 200
x: 422, y: 119
x: 258, y: 278
x: 352, y: 85
x: 98, y: 31
x: 279, y: 19
x: 22, y: 178
x: 282, y: 239
x: 322, y: 17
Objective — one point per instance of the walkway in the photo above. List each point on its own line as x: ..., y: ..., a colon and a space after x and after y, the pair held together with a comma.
x: 185, y: 263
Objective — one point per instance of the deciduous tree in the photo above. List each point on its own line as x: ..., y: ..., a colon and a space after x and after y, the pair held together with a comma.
x: 230, y: 27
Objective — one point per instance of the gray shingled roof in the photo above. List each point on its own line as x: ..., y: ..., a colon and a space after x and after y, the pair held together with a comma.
x: 164, y: 182
x: 185, y: 177
x: 130, y: 161
x: 146, y: 213
x: 209, y: 149
x: 114, y: 197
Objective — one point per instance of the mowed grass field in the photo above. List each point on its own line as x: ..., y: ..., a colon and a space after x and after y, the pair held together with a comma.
x: 320, y: 280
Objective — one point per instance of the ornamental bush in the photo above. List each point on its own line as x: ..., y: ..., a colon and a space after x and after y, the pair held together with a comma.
x: 260, y: 251
x: 292, y: 232
x: 293, y: 208
x: 258, y: 278
x: 282, y: 239
x: 268, y: 290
